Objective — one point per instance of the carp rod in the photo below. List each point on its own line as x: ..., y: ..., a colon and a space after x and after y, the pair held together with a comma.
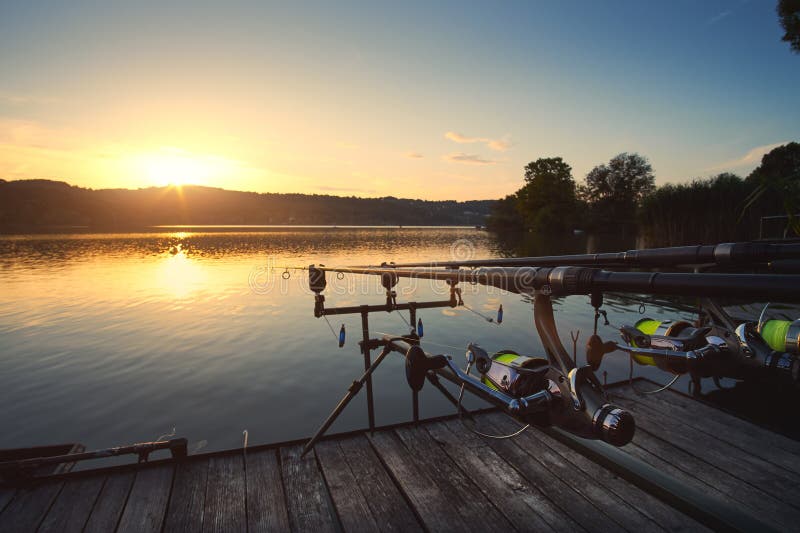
x: 571, y: 280
x: 779, y: 256
x: 534, y: 390
x: 770, y: 346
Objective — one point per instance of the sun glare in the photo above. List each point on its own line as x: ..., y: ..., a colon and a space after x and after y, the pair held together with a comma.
x: 174, y: 169
x: 173, y: 166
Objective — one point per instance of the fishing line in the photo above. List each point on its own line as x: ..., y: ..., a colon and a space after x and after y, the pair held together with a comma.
x: 407, y: 338
x: 404, y: 318
x: 656, y: 391
x: 335, y: 336
x: 486, y: 318
x: 171, y: 434
x: 472, y: 429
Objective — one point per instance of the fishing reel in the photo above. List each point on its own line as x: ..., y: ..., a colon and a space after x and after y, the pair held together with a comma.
x: 531, y: 390
x: 680, y: 348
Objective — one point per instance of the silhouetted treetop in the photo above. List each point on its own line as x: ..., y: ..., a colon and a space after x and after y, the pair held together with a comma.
x: 626, y: 179
x: 789, y: 16
x: 549, y: 169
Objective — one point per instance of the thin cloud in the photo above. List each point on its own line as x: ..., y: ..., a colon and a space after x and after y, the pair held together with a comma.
x: 457, y: 137
x: 470, y: 159
x: 414, y: 155
x: 499, y: 145
x: 719, y: 16
x: 749, y: 160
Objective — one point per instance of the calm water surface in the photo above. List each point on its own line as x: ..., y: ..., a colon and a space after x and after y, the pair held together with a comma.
x: 107, y: 339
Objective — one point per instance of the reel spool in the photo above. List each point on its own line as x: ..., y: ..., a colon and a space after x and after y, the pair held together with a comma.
x: 515, y: 374
x: 679, y: 336
x: 782, y: 335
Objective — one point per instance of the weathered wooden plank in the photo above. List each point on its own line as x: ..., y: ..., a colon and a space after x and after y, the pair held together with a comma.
x: 561, y: 493
x: 716, y: 425
x: 70, y: 512
x: 736, y: 461
x: 468, y: 499
x: 429, y: 501
x: 29, y: 506
x: 350, y: 502
x: 710, y: 479
x: 225, y: 494
x: 266, y: 504
x: 522, y: 503
x: 702, y: 414
x: 6, y: 495
x: 110, y: 503
x: 187, y: 501
x: 306, y: 494
x: 147, y: 501
x: 661, y: 513
x: 616, y: 509
x: 388, y: 506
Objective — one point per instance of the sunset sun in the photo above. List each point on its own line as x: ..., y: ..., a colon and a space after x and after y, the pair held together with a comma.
x: 174, y: 168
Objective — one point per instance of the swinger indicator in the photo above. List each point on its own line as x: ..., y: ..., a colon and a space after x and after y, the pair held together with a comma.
x: 500, y: 314
x: 341, y: 336
x: 420, y: 329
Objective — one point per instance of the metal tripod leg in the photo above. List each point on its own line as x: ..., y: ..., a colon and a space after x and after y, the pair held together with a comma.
x: 351, y: 393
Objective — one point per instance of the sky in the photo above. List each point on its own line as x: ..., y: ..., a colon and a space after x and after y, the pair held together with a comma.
x: 435, y: 100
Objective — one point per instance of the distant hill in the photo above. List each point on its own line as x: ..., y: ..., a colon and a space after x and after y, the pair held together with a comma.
x: 40, y: 204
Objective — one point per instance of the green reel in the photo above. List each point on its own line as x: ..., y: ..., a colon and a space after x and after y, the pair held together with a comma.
x: 782, y: 335
x: 516, y: 374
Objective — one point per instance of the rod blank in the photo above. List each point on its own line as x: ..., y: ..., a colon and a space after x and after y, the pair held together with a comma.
x: 726, y: 253
x: 562, y: 281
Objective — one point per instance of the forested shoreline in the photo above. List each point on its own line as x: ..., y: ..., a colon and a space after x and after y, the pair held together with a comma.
x: 38, y: 205
x: 621, y: 197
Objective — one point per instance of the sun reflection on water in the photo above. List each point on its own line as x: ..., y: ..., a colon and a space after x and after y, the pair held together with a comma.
x: 179, y: 275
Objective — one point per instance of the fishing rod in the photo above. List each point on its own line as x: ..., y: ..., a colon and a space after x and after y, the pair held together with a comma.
x: 569, y: 280
x: 554, y: 390
x: 539, y: 391
x: 741, y: 253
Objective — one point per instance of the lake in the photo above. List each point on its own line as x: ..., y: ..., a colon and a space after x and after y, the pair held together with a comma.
x: 109, y: 339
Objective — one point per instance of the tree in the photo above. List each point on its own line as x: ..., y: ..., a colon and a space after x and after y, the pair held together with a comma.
x: 789, y: 16
x: 777, y: 183
x: 505, y: 215
x: 698, y: 212
x: 547, y: 202
x: 548, y: 168
x: 615, y: 190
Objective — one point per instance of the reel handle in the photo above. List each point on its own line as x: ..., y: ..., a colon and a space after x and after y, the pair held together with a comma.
x: 596, y: 349
x: 418, y: 364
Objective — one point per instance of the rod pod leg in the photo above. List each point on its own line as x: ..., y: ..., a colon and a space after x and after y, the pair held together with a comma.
x: 352, y: 391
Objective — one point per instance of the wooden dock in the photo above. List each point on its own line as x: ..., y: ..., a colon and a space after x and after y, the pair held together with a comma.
x: 436, y: 476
